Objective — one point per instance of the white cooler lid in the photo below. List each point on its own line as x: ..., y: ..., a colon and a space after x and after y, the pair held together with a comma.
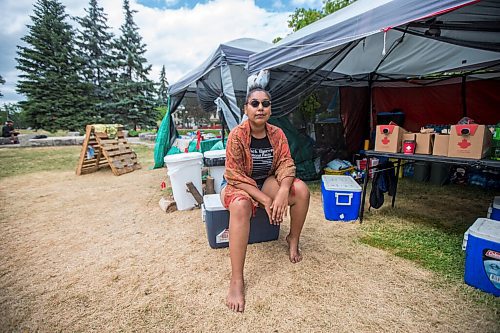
x: 212, y: 202
x: 496, y: 202
x: 486, y: 229
x: 215, y: 153
x: 340, y: 183
x: 183, y: 157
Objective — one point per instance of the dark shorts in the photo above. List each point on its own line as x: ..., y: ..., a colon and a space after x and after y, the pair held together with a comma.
x: 224, y: 183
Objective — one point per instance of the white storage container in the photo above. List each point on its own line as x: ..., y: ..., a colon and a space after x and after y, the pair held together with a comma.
x: 184, y: 168
x: 215, y: 161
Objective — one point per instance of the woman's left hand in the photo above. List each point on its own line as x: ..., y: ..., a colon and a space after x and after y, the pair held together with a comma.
x: 279, y: 206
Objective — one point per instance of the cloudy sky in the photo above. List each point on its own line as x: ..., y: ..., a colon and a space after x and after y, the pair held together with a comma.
x: 179, y: 34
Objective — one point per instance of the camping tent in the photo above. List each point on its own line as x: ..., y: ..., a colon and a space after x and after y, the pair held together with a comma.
x: 220, y: 79
x: 217, y: 83
x: 391, y: 43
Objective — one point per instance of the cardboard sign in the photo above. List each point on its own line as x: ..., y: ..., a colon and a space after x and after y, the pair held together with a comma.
x: 469, y: 141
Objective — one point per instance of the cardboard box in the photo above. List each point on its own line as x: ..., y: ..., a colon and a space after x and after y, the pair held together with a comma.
x: 388, y: 138
x: 441, y: 142
x: 408, y: 136
x: 425, y: 142
x: 469, y: 141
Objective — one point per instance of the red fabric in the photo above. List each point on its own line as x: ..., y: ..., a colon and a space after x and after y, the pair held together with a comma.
x: 483, y: 100
x: 441, y: 104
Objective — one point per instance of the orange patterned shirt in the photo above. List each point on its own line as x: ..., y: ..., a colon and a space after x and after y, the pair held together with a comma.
x: 239, y: 160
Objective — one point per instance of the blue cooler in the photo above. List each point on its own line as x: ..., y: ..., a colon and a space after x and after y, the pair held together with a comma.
x: 482, y: 256
x: 341, y: 197
x: 216, y: 219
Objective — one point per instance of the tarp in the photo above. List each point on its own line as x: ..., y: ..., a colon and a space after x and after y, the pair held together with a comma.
x: 371, y: 42
x: 220, y: 80
x: 217, y: 83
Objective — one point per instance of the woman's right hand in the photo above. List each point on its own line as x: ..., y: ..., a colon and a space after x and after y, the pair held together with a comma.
x: 267, y: 202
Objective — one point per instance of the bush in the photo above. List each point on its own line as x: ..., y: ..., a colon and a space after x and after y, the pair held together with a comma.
x: 133, y: 133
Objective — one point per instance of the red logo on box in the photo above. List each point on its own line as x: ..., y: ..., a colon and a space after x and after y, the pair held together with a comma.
x: 464, y: 144
x: 385, y: 140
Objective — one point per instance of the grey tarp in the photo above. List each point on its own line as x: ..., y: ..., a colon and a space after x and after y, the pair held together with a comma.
x: 217, y: 83
x: 370, y: 42
x: 220, y: 79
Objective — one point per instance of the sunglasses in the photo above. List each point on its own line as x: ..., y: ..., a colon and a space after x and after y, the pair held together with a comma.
x: 255, y: 103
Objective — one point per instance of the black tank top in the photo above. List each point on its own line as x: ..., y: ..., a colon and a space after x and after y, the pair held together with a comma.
x: 262, y: 156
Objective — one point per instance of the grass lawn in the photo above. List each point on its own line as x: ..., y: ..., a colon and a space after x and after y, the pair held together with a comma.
x: 426, y: 226
x: 21, y: 161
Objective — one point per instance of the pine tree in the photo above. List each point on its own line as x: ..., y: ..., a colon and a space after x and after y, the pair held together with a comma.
x: 2, y: 82
x: 132, y: 93
x: 94, y: 44
x: 56, y: 96
x: 163, y: 86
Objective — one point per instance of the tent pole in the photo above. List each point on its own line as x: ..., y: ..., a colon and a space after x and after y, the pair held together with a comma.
x: 370, y: 84
x: 464, y: 96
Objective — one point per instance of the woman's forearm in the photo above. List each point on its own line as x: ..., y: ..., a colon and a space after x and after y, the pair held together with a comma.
x: 254, y: 192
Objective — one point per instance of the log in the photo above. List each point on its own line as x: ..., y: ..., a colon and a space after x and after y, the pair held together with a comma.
x: 209, y: 186
x: 194, y: 192
x: 167, y: 205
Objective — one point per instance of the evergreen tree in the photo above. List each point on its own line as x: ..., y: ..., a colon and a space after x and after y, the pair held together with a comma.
x: 162, y: 88
x: 132, y: 93
x: 94, y: 44
x: 56, y: 96
x: 2, y: 82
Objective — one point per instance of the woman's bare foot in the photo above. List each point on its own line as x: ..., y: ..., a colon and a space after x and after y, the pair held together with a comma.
x: 235, y: 299
x: 293, y: 248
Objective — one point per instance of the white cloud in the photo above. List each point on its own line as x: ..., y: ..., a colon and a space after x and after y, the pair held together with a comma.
x: 180, y: 39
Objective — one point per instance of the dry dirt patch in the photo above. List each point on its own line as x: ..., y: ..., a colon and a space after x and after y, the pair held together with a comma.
x: 95, y: 253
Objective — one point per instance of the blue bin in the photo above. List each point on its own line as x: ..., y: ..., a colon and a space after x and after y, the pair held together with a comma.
x: 341, y: 198
x: 482, y: 256
x: 495, y: 209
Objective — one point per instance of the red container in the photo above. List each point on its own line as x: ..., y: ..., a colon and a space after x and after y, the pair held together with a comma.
x: 409, y: 147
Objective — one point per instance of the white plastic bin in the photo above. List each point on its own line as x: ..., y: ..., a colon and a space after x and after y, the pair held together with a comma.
x: 215, y: 161
x: 184, y: 168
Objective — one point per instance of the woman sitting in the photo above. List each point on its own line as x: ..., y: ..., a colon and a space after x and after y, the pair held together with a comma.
x: 259, y: 172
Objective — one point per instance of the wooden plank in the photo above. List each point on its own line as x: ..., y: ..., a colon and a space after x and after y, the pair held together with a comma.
x: 85, y: 171
x: 122, y: 157
x: 105, y: 141
x: 83, y: 152
x: 194, y: 192
x: 90, y: 162
x: 120, y: 152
